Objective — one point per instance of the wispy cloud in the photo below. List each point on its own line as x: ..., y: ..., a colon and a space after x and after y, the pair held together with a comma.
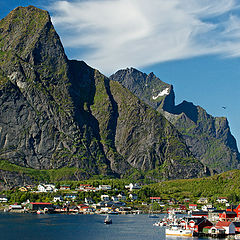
x: 121, y: 33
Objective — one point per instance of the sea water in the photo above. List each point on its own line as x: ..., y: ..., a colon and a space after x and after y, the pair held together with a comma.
x: 80, y: 227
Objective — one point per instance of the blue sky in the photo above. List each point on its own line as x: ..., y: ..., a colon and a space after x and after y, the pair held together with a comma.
x: 192, y: 44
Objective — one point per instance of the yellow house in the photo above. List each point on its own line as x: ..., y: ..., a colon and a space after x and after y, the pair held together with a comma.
x: 23, y: 189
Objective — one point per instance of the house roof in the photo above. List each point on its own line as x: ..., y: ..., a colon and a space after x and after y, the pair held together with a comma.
x: 40, y: 203
x: 218, y: 211
x: 3, y: 196
x: 237, y: 224
x: 223, y: 224
x: 200, y: 213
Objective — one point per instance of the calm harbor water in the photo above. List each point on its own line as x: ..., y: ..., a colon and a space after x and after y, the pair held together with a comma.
x: 79, y: 227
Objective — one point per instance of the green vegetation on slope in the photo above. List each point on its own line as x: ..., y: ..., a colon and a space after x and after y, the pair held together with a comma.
x: 221, y: 185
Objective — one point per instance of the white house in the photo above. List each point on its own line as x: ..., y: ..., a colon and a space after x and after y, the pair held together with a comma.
x: 132, y: 186
x: 202, y: 200
x: 105, y: 187
x: 192, y: 206
x: 133, y: 196
x: 47, y: 188
x: 104, y: 197
x: 222, y: 200
x: 115, y: 198
x: 3, y: 198
x: 228, y: 226
x: 58, y: 199
x: 122, y: 196
x: 88, y: 200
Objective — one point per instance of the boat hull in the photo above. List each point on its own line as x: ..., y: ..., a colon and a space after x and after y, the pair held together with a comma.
x: 183, y: 233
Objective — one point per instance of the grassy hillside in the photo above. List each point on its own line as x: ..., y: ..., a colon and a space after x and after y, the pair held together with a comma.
x: 221, y: 185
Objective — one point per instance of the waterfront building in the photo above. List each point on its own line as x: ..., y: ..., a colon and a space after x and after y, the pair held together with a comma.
x: 39, y: 206
x: 3, y: 198
x: 228, y: 226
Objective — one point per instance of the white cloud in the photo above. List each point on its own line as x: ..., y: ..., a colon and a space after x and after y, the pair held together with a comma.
x: 121, y: 33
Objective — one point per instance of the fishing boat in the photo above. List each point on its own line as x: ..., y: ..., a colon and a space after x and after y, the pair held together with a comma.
x: 108, y: 220
x: 176, y: 230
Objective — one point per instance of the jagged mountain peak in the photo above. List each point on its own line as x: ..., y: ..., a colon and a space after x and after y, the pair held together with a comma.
x: 57, y: 113
x: 208, y: 137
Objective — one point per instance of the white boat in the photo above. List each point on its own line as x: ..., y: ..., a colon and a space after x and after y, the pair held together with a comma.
x: 108, y: 220
x: 176, y: 230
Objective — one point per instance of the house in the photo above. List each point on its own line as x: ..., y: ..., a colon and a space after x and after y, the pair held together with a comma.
x: 88, y: 200
x: 39, y: 205
x: 214, y: 215
x: 104, y: 197
x: 192, y: 206
x: 86, y: 188
x: 90, y: 189
x: 47, y: 188
x: 182, y: 209
x: 162, y: 204
x: 105, y: 187
x: 200, y: 214
x: 122, y: 196
x: 73, y: 209
x: 195, y: 223
x: 202, y: 200
x: 237, y: 227
x: 133, y: 196
x: 222, y: 200
x: 65, y: 187
x: 208, y: 208
x: 58, y: 199
x: 227, y: 216
x: 156, y: 199
x: 23, y: 189
x: 215, y: 231
x: 228, y: 226
x: 3, y: 198
x: 16, y: 208
x: 132, y: 186
x: 115, y: 198
x: 236, y: 209
x: 70, y: 196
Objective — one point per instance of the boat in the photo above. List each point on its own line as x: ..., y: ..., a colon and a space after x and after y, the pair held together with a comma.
x: 176, y: 230
x: 108, y: 220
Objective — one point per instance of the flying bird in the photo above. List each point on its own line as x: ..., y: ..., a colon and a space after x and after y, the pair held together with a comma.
x: 224, y: 107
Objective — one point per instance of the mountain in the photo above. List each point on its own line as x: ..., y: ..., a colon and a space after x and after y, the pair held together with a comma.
x: 58, y: 114
x: 209, y: 138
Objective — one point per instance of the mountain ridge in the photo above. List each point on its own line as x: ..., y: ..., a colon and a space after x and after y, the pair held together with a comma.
x: 57, y: 113
x: 209, y: 138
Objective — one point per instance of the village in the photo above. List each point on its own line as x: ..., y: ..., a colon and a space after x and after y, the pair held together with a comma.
x: 202, y: 217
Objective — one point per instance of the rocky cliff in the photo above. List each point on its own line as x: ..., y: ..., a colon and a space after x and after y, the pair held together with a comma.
x: 57, y: 113
x: 209, y: 138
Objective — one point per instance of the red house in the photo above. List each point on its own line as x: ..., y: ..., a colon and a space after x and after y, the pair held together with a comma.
x: 195, y: 223
x: 192, y: 206
x: 234, y: 208
x: 227, y: 216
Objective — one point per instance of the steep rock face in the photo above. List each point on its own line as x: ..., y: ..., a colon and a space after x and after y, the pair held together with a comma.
x: 56, y: 112
x: 42, y: 118
x: 209, y: 138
